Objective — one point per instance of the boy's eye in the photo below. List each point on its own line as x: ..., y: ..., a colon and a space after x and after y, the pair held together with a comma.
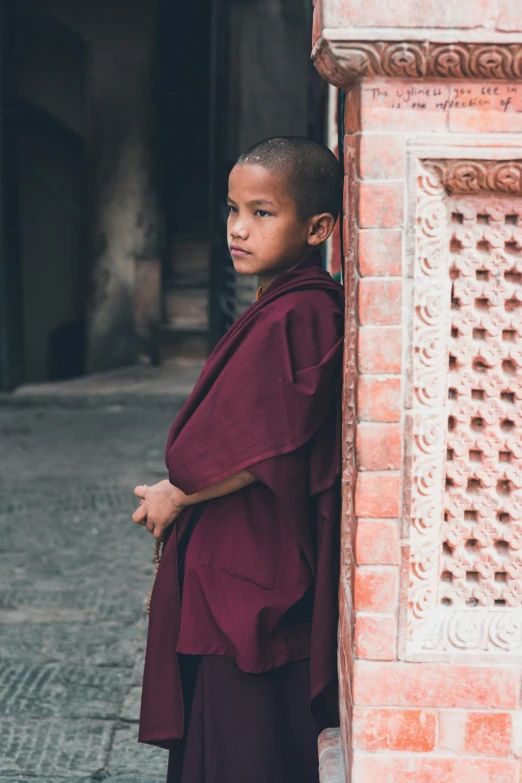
x: 231, y: 209
x: 262, y: 213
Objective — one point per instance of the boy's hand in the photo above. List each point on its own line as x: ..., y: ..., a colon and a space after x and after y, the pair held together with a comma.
x: 159, y: 506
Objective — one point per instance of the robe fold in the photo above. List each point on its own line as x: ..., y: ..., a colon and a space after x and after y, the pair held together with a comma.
x: 262, y: 564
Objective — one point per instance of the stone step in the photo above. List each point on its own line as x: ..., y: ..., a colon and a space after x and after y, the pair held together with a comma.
x: 171, y: 344
x: 139, y: 384
x: 189, y: 261
x: 186, y: 309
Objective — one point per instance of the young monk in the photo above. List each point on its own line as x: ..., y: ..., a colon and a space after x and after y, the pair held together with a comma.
x: 240, y: 670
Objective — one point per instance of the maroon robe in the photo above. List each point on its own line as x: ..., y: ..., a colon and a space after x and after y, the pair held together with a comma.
x: 262, y: 566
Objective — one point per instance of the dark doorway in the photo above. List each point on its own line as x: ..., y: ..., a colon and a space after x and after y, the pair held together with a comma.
x: 50, y: 71
x: 184, y: 83
x: 11, y: 322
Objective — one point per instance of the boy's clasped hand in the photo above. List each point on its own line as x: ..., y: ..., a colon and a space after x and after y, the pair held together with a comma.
x: 160, y: 504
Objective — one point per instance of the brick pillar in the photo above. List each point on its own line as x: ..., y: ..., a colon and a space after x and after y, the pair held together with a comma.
x: 431, y: 593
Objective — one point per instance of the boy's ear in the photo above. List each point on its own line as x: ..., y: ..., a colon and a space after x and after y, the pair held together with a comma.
x: 321, y: 226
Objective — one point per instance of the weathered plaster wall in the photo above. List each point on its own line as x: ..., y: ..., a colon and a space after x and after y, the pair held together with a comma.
x: 124, y: 223
x: 431, y: 594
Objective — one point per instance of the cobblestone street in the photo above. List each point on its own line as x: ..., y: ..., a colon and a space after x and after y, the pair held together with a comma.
x: 74, y: 581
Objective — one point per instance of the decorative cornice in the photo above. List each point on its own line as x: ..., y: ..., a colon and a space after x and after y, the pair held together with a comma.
x: 342, y: 62
x: 478, y: 176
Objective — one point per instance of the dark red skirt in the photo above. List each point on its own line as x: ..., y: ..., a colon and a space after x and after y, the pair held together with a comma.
x: 245, y: 727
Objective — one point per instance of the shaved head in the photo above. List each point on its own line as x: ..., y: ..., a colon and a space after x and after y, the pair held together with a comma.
x: 313, y: 174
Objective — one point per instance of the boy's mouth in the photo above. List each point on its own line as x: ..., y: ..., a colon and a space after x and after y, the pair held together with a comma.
x: 239, y: 252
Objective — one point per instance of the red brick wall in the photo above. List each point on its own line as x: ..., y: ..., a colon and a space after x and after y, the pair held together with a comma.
x: 456, y: 718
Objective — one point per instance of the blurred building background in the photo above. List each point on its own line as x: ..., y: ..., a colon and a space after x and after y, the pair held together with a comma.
x: 120, y: 121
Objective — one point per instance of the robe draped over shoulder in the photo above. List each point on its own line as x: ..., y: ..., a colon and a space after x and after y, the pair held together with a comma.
x: 261, y: 580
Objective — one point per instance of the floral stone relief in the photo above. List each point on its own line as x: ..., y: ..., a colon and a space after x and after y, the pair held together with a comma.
x: 465, y: 573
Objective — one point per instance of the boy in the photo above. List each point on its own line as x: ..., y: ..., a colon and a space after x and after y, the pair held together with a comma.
x: 254, y: 460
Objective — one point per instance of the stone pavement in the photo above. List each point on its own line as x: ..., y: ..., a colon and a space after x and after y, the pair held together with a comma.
x: 74, y: 578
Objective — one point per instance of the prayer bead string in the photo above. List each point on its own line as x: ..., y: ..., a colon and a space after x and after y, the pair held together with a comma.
x: 157, y: 560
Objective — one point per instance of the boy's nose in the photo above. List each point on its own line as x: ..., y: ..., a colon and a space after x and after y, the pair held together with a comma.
x: 239, y: 230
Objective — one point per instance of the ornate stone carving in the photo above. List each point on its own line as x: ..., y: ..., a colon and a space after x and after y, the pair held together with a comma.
x: 474, y: 176
x: 475, y: 61
x: 432, y: 298
x: 355, y: 59
x: 346, y: 612
x: 341, y: 62
x: 482, y: 532
x: 465, y: 573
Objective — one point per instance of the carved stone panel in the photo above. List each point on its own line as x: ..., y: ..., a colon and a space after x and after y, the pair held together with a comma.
x: 482, y: 533
x: 476, y: 176
x: 343, y: 61
x: 465, y: 568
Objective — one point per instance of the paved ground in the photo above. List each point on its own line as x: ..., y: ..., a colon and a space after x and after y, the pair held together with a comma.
x: 74, y: 577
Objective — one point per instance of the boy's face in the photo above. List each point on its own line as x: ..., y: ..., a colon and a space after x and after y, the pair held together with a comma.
x: 265, y: 234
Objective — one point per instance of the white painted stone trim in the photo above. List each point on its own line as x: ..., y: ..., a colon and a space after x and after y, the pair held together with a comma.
x: 331, y: 765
